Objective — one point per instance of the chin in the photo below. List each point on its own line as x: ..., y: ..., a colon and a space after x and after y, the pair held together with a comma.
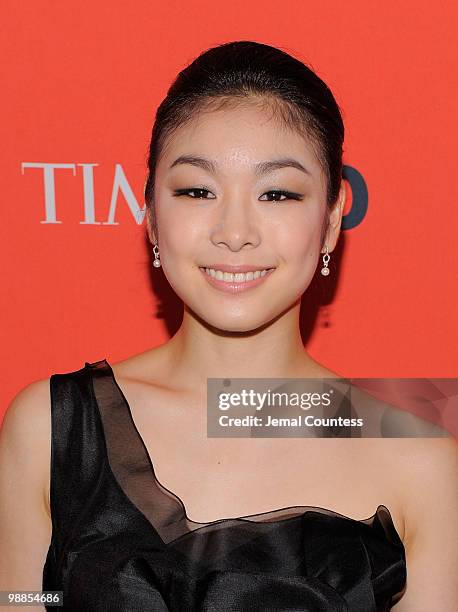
x: 235, y: 324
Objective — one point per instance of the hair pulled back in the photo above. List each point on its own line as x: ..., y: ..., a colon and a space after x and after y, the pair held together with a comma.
x: 251, y: 72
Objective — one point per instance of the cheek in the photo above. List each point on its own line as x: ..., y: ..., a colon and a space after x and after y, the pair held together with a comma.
x: 179, y: 243
x: 298, y: 242
x: 178, y: 233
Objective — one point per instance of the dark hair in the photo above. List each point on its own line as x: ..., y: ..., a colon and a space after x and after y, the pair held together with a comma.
x: 224, y: 75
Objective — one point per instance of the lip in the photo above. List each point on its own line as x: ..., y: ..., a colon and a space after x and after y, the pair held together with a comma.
x: 235, y: 287
x: 235, y: 269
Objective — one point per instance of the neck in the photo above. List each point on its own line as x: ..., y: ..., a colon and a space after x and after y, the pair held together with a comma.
x: 198, y: 351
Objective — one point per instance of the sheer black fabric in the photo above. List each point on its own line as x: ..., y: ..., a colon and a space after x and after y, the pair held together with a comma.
x: 123, y: 542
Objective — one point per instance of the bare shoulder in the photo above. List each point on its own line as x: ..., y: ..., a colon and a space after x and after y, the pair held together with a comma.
x: 25, y: 522
x: 29, y: 409
x: 427, y: 469
x: 137, y: 366
x: 25, y: 434
x: 29, y: 416
x: 421, y: 473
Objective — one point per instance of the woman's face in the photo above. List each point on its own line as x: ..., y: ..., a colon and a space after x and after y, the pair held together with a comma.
x: 218, y: 205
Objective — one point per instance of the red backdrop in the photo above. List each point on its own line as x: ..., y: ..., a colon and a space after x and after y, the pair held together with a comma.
x: 81, y: 85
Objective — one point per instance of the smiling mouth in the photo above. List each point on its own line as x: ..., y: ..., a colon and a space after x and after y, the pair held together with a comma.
x: 236, y: 277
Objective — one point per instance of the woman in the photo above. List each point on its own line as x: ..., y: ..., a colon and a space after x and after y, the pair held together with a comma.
x: 245, y: 178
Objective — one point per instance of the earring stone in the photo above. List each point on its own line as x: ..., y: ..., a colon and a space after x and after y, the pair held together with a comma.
x: 157, y: 261
x: 326, y: 258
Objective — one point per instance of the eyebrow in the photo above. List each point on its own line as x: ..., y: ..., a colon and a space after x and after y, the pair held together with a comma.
x: 260, y: 168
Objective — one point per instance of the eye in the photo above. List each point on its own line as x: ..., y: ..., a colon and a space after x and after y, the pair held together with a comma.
x: 288, y: 195
x: 194, y: 190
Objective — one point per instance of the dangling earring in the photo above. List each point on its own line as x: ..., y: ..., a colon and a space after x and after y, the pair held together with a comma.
x: 326, y: 258
x: 157, y: 261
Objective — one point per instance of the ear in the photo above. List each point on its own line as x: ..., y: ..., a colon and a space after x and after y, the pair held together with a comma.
x: 335, y: 218
x: 149, y: 227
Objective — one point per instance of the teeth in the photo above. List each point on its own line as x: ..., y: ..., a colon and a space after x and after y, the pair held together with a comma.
x: 239, y: 277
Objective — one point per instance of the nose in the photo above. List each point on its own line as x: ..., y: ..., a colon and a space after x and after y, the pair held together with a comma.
x: 236, y: 226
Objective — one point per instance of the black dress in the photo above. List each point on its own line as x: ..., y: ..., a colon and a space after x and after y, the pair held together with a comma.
x: 123, y: 542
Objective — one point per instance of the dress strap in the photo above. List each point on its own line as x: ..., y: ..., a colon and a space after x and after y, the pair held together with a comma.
x: 77, y: 457
x: 128, y: 458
